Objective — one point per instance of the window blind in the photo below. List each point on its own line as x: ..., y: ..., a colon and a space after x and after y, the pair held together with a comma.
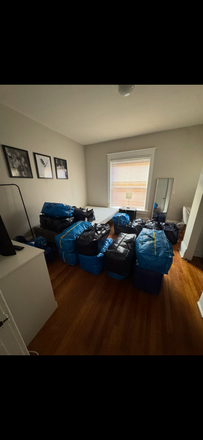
x: 128, y: 182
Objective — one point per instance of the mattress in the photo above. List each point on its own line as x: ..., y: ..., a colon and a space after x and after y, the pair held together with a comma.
x: 103, y: 215
x: 186, y: 213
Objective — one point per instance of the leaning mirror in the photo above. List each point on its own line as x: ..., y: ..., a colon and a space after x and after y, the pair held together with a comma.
x: 161, y: 199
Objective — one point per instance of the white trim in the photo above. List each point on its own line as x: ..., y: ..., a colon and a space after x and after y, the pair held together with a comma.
x: 200, y: 304
x: 145, y: 152
x: 182, y: 250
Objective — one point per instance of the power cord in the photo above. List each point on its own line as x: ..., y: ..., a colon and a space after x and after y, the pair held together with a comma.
x: 30, y: 351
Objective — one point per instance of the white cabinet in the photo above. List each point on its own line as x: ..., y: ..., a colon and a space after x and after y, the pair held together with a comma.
x: 27, y: 289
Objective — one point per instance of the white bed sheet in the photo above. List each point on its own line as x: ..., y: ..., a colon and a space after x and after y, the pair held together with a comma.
x: 102, y: 215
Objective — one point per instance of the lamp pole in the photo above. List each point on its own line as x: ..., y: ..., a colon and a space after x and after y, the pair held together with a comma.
x: 9, y: 184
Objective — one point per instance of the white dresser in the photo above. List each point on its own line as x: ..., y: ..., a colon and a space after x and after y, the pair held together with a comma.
x: 27, y: 289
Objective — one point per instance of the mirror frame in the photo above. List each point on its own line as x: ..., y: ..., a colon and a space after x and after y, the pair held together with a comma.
x: 157, y: 181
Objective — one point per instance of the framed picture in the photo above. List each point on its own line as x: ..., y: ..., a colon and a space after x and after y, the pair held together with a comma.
x: 43, y: 166
x: 61, y: 168
x: 18, y: 162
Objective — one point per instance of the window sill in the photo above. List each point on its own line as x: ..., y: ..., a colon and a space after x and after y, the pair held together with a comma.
x: 139, y: 213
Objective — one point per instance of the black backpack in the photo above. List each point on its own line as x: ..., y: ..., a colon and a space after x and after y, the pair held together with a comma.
x: 133, y: 227
x: 92, y: 240
x: 56, y: 224
x: 152, y: 224
x: 86, y: 215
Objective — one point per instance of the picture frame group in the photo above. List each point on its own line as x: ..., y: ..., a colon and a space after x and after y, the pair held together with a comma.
x: 18, y: 164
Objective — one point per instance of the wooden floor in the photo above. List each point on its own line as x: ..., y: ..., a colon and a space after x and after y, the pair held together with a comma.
x: 99, y: 315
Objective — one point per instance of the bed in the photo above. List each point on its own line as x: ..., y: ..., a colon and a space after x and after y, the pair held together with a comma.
x: 102, y: 215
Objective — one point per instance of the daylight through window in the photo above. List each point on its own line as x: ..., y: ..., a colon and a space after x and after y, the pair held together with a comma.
x: 128, y: 182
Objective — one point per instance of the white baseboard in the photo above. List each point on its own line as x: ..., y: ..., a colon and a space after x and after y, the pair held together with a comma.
x: 200, y: 304
x: 182, y: 249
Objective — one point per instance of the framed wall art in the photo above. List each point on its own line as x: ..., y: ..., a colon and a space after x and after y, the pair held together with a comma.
x: 18, y: 162
x: 61, y: 168
x: 43, y: 166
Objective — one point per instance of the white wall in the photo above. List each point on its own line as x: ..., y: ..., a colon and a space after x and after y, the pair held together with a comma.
x: 179, y: 154
x: 16, y: 130
x: 194, y: 225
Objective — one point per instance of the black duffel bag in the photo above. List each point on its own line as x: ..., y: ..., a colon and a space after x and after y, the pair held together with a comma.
x: 87, y: 215
x: 56, y: 224
x: 120, y: 256
x: 151, y: 224
x: 133, y: 227
x: 92, y: 240
x: 172, y: 232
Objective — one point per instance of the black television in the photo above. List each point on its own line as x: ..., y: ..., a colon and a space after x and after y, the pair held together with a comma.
x: 6, y: 245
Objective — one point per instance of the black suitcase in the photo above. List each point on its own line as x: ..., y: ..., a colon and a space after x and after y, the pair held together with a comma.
x: 133, y: 227
x: 92, y: 240
x: 162, y: 216
x: 147, y: 280
x: 56, y: 224
x: 171, y: 231
x: 120, y: 256
x: 155, y: 216
x: 86, y: 215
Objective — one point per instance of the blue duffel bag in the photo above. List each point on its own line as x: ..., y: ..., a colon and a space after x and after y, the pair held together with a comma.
x: 154, y: 251
x: 69, y: 257
x: 94, y: 264
x: 38, y: 242
x: 121, y: 219
x: 66, y: 241
x: 57, y: 210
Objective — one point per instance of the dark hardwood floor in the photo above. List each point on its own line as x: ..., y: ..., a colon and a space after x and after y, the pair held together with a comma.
x: 99, y: 315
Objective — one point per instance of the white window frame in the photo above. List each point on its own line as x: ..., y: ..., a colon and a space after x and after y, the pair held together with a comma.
x: 133, y: 154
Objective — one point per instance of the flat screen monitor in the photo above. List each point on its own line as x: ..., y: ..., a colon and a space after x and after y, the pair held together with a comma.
x: 6, y: 246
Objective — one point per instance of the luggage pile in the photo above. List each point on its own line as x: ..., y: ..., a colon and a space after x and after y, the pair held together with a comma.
x: 91, y: 246
x: 154, y: 258
x: 58, y: 216
x: 135, y: 227
x: 143, y: 248
x: 66, y: 242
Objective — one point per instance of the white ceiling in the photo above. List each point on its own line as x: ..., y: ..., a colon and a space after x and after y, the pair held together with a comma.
x: 95, y: 113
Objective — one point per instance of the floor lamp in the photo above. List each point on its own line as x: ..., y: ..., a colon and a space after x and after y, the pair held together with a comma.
x: 9, y: 184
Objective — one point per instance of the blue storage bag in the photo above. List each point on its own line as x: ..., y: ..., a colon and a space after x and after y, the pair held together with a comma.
x: 121, y: 219
x: 94, y: 264
x: 115, y: 275
x: 57, y: 210
x: 154, y: 251
x: 38, y: 242
x: 69, y: 257
x: 66, y: 241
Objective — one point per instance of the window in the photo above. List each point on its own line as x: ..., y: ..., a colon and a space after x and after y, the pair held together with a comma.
x: 129, y: 178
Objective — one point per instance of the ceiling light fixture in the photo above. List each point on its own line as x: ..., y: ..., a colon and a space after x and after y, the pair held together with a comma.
x: 125, y: 90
